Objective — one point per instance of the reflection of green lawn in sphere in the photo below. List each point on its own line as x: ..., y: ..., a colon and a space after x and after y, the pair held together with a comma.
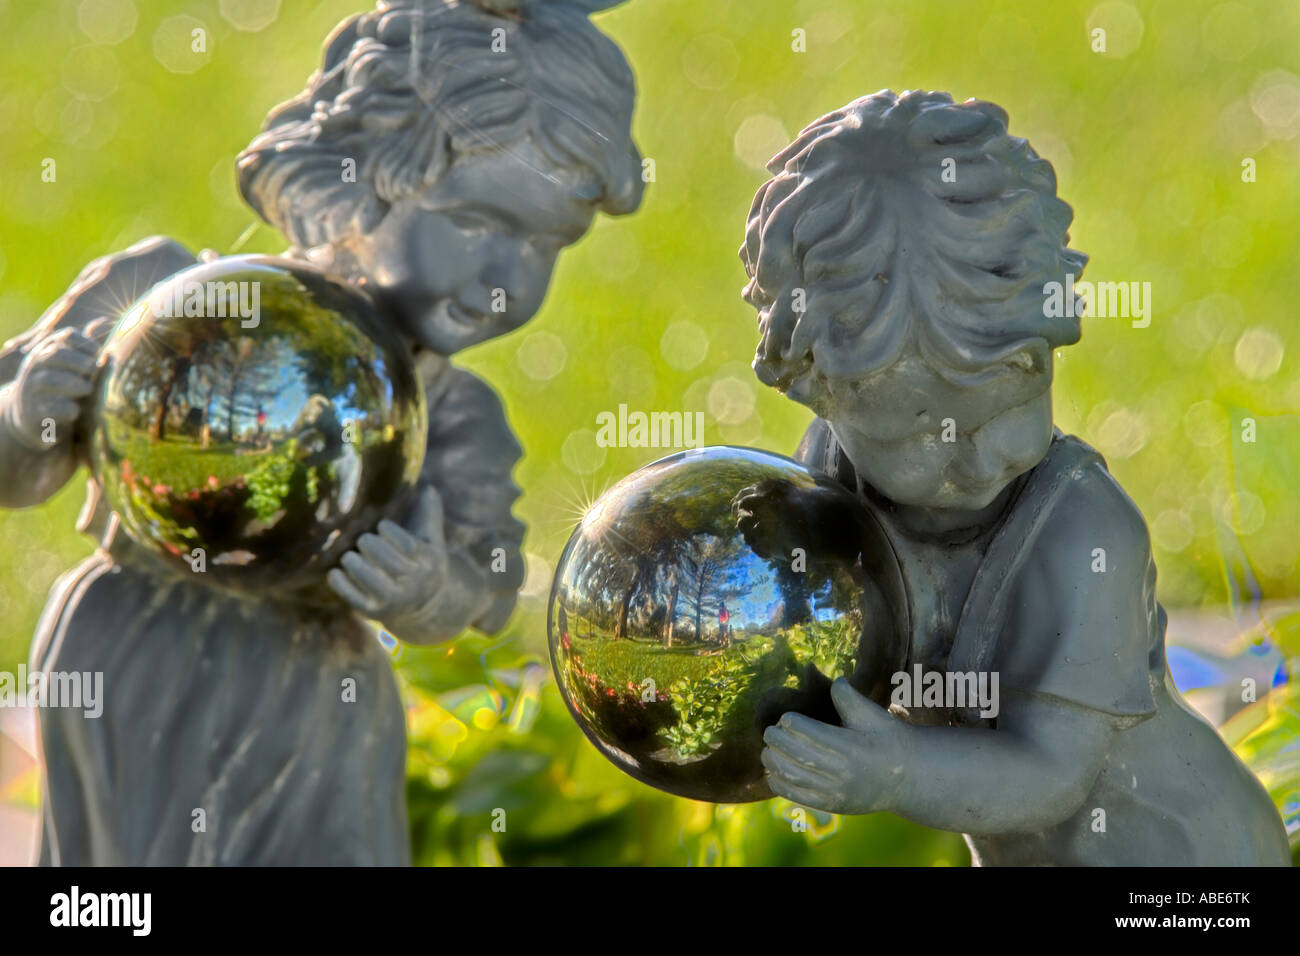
x: 165, y: 480
x: 714, y: 692
x: 180, y: 462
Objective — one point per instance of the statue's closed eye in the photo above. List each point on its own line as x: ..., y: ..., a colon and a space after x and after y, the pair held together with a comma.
x: 467, y: 221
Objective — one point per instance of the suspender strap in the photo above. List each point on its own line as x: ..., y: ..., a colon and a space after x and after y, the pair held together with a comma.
x: 984, y: 614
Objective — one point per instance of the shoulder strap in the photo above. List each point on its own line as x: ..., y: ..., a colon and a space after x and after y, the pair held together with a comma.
x: 984, y: 613
x: 819, y: 451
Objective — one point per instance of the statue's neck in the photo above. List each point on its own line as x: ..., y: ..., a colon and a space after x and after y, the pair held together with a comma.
x: 958, y: 523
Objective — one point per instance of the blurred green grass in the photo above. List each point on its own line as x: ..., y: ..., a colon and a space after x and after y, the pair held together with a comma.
x: 1147, y: 140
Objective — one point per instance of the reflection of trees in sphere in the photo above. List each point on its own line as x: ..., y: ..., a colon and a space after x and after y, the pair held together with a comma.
x: 255, y: 409
x: 709, y: 593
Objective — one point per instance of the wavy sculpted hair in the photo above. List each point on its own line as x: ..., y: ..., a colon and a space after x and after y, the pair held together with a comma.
x: 410, y: 88
x: 860, y: 222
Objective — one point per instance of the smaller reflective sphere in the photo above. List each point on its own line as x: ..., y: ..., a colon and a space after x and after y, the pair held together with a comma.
x: 257, y: 416
x: 709, y: 593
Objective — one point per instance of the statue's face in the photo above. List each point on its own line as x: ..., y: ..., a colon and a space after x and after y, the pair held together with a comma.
x: 471, y: 258
x: 893, y: 426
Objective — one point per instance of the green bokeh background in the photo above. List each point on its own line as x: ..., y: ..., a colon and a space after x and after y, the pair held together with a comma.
x: 1148, y: 140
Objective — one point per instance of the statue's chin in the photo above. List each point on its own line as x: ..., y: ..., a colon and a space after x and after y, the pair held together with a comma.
x: 948, y: 500
x: 443, y: 327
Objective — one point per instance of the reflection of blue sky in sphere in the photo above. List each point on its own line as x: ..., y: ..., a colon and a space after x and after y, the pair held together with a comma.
x: 292, y: 395
x: 683, y: 575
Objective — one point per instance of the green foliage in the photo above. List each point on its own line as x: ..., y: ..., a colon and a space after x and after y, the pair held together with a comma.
x: 1266, y: 734
x: 271, y: 480
x: 703, y: 706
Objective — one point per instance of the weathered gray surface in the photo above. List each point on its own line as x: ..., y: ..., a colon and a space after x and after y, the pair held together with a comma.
x: 233, y: 706
x: 923, y: 315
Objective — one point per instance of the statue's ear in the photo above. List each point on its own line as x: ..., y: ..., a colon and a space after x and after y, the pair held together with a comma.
x: 625, y: 197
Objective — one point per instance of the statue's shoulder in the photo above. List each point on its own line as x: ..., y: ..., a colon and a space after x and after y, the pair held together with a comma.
x: 1082, y: 619
x: 102, y: 290
x: 109, y: 284
x: 1081, y: 501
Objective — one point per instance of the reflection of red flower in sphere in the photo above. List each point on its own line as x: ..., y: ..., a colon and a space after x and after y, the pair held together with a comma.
x: 160, y: 489
x: 212, y: 482
x: 610, y: 692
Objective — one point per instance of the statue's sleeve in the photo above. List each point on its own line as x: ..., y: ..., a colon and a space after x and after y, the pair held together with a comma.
x: 103, y: 289
x: 471, y: 454
x: 819, y: 451
x: 1084, y: 624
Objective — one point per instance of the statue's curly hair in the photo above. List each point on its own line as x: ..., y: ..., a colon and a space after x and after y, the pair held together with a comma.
x: 415, y: 85
x: 860, y: 223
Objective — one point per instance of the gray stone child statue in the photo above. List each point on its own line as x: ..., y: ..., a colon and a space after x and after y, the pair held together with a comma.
x: 900, y: 259
x: 441, y: 158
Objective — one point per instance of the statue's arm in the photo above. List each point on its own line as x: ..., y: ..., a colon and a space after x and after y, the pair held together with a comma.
x: 46, y: 373
x: 1034, y: 771
x: 1072, y: 668
x: 471, y: 454
x: 31, y: 471
x: 1073, y: 671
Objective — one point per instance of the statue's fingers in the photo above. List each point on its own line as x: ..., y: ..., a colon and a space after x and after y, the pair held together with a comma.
x: 427, y: 519
x: 814, y: 732
x: 342, y: 586
x: 81, y: 338
x: 61, y: 410
x: 71, y: 360
x: 60, y: 338
x: 400, y: 538
x: 53, y: 381
x: 382, y: 554
x: 797, y: 773
x: 795, y: 793
x: 857, y: 711
x: 801, y: 750
x: 371, y: 578
x: 98, y: 331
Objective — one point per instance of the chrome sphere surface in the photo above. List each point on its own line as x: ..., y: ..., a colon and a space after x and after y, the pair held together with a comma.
x: 709, y: 593
x: 256, y: 416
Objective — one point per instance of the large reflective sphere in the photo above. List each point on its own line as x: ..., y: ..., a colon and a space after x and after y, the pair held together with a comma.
x: 260, y: 411
x: 706, y: 595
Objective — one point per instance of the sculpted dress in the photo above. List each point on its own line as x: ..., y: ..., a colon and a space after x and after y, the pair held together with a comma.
x: 238, y: 702
x: 1024, y: 601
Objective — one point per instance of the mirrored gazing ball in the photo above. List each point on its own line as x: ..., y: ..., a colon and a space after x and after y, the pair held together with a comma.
x: 706, y: 595
x: 259, y: 411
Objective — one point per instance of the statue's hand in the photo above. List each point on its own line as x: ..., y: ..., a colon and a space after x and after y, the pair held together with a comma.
x: 52, y: 384
x: 857, y: 768
x: 762, y: 513
x: 398, y: 575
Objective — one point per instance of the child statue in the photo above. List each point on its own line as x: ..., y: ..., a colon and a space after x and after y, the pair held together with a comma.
x: 440, y: 159
x: 900, y: 260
